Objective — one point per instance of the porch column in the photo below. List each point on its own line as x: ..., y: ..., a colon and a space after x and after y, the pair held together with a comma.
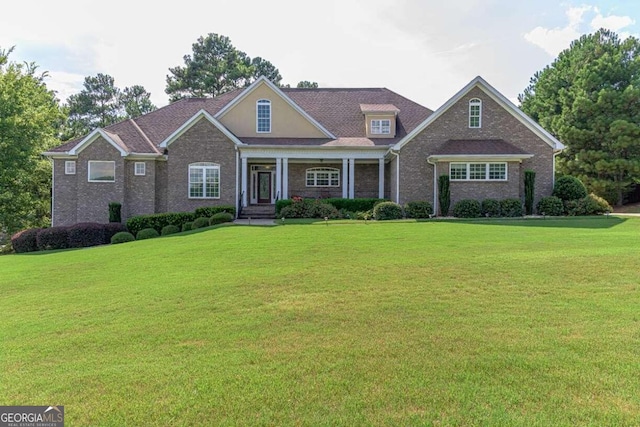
x: 345, y: 178
x: 285, y: 178
x: 279, y: 177
x: 243, y: 180
x: 352, y: 174
x: 381, y: 178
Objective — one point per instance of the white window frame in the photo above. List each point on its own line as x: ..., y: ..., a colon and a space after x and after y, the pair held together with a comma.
x: 206, y: 168
x: 473, y: 103
x: 90, y: 162
x: 139, y: 168
x: 333, y: 178
x: 380, y: 127
x: 70, y: 167
x: 487, y: 169
x: 262, y: 103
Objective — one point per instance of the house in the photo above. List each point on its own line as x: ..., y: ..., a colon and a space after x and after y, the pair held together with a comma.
x: 253, y: 146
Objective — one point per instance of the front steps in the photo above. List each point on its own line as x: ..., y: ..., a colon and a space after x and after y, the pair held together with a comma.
x: 258, y: 212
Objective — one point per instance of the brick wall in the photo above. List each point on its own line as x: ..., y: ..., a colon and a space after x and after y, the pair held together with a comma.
x: 416, y: 175
x: 139, y: 197
x: 203, y: 142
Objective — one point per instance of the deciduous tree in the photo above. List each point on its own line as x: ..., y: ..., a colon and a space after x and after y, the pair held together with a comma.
x: 29, y: 117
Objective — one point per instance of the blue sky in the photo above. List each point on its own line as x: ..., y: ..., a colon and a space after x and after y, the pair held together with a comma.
x: 425, y: 50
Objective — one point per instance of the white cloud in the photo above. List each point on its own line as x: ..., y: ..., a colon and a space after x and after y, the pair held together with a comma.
x: 555, y: 40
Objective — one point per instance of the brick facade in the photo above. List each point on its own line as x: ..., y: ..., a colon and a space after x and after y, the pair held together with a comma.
x: 416, y: 175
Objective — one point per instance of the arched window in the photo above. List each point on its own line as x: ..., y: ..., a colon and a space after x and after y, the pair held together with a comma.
x: 204, y: 181
x: 323, y: 177
x: 263, y: 116
x: 475, y: 113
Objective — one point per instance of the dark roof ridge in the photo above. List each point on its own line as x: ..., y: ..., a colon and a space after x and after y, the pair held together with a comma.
x: 144, y: 136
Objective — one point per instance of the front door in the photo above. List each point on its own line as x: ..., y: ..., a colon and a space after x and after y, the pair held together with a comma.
x: 264, y: 187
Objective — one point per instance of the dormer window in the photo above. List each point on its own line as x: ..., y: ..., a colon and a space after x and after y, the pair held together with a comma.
x: 263, y: 116
x: 475, y: 113
x: 381, y: 127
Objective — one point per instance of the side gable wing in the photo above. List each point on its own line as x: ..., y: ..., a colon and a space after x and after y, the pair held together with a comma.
x: 496, y: 96
x: 288, y: 119
x: 111, y: 138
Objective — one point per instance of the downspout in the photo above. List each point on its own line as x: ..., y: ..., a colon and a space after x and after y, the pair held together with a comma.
x: 397, y: 174
x: 53, y: 187
x: 435, y: 186
x: 553, y: 176
x: 237, y: 181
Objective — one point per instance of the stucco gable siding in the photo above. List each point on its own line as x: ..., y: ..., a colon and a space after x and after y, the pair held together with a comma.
x: 286, y: 122
x: 203, y: 142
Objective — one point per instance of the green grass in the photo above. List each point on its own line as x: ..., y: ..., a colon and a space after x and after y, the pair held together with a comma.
x: 525, y: 323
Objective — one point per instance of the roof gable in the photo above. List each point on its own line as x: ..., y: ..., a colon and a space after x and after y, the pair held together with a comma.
x: 111, y: 138
x: 263, y: 88
x: 496, y: 96
x: 202, y: 114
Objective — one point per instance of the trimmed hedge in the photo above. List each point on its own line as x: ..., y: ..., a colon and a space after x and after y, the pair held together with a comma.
x: 309, y: 208
x: 25, y: 240
x: 418, y: 209
x: 511, y: 207
x: 467, y: 208
x: 147, y: 233
x: 387, y: 210
x: 187, y: 226
x: 210, y: 211
x: 53, y: 238
x: 158, y: 221
x: 347, y: 205
x: 281, y: 204
x: 111, y: 229
x: 115, y: 210
x: 551, y: 206
x: 169, y: 229
x: 569, y: 188
x: 220, y: 218
x: 86, y: 234
x: 200, y: 223
x: 122, y: 237
x: 490, y: 208
x: 590, y: 205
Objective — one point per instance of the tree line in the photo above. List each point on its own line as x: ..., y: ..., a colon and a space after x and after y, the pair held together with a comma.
x: 589, y: 98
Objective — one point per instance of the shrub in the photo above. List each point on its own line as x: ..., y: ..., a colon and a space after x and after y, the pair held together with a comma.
x: 147, y: 233
x: 364, y: 215
x: 157, y: 221
x: 281, y: 204
x: 590, y: 205
x: 387, y: 210
x: 569, y: 188
x: 200, y: 223
x: 467, y: 208
x: 444, y: 194
x: 490, y: 207
x: 220, y: 218
x: 86, y: 234
x: 169, y: 229
x: 309, y: 208
x: 418, y: 209
x: 52, y: 238
x: 551, y: 206
x: 353, y: 205
x: 6, y: 249
x: 122, y: 237
x: 111, y: 229
x: 511, y: 207
x: 25, y: 240
x: 210, y: 211
x: 187, y: 226
x: 115, y: 209
x: 529, y: 190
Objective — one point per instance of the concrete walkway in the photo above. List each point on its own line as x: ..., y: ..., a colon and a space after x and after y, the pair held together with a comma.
x: 255, y: 222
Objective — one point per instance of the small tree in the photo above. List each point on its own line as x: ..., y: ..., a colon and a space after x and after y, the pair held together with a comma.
x: 444, y: 196
x: 115, y: 209
x: 529, y: 187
